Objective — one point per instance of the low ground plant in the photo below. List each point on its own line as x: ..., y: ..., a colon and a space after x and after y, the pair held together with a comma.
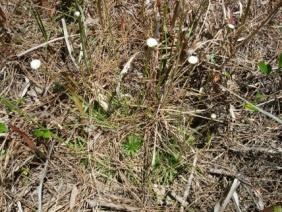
x: 140, y: 105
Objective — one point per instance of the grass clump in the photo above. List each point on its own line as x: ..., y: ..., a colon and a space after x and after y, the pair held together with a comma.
x: 132, y: 145
x: 132, y: 96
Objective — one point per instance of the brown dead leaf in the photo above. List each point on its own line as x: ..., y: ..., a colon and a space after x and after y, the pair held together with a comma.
x: 54, y: 8
x: 52, y: 12
x: 216, y: 78
x: 27, y: 139
x: 74, y: 193
x: 216, y: 81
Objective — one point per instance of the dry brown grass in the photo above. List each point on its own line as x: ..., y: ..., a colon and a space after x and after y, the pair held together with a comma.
x: 169, y: 108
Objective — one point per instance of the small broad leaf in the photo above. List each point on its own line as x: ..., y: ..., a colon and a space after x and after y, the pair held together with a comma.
x: 24, y: 171
x: 43, y: 133
x: 264, y: 68
x: 280, y: 61
x: 47, y: 134
x: 3, y: 128
x: 228, y: 75
x: 251, y: 107
x: 38, y: 133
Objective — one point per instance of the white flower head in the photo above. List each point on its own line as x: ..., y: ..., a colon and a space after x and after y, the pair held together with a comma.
x: 193, y: 59
x: 231, y: 26
x: 213, y: 116
x: 35, y: 64
x: 152, y: 42
x: 76, y: 14
x: 201, y: 91
x: 241, y: 39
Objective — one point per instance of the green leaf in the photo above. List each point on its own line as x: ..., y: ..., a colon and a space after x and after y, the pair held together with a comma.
x: 24, y: 171
x: 47, y: 134
x: 43, y: 133
x: 228, y: 75
x: 3, y: 128
x: 264, y: 68
x: 280, y: 61
x: 251, y: 107
x: 38, y: 133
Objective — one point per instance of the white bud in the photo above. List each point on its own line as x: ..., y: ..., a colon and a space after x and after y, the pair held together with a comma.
x: 76, y: 14
x: 231, y: 26
x: 232, y: 112
x: 213, y: 116
x: 152, y: 42
x: 35, y: 64
x: 241, y: 39
x: 193, y: 59
x: 201, y: 91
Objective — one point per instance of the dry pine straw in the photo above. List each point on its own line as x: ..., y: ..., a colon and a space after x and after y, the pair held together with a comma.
x: 247, y: 148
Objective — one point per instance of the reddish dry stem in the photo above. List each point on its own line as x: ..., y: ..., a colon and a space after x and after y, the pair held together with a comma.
x: 27, y: 139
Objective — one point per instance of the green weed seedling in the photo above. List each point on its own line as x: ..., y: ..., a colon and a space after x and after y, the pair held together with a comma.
x: 167, y: 166
x: 3, y: 128
x: 264, y: 68
x: 78, y: 144
x: 104, y: 168
x: 43, y: 133
x: 24, y: 171
x: 132, y: 145
x: 84, y: 162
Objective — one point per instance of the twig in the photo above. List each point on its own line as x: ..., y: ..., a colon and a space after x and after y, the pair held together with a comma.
x: 20, y: 206
x: 154, y: 148
x: 178, y: 198
x: 187, y: 189
x: 256, y: 149
x: 271, y: 100
x: 221, y: 172
x: 42, y: 179
x: 42, y: 45
x: 238, y: 176
x: 114, y: 206
x: 256, y: 107
x: 66, y: 35
x: 221, y: 204
x: 58, y: 199
x: 191, y: 113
